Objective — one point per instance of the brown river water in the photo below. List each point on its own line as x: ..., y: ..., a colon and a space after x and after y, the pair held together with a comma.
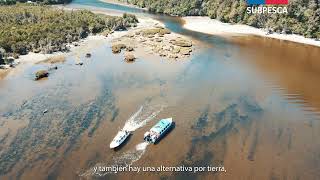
x: 249, y: 104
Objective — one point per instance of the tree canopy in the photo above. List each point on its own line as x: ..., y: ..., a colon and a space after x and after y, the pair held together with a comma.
x: 38, y: 28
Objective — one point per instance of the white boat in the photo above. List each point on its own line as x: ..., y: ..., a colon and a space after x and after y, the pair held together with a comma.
x: 121, y: 136
x: 158, y: 130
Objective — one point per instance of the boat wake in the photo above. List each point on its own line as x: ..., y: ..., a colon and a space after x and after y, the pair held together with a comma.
x: 136, y: 121
x: 142, y: 117
x: 125, y: 159
x: 129, y: 157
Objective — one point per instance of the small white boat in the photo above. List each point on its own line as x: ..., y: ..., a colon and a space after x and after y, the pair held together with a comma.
x: 121, y: 136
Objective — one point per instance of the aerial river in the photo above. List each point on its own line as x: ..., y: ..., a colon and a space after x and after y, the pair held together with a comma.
x: 245, y: 103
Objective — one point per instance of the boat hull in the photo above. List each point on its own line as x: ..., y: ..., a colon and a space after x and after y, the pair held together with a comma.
x: 158, y: 131
x: 115, y: 144
x: 163, y: 134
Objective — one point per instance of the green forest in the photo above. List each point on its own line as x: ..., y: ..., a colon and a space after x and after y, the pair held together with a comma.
x: 11, y: 2
x: 46, y: 29
x: 303, y: 16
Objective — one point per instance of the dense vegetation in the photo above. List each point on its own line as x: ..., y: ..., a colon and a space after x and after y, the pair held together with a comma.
x: 27, y: 28
x: 303, y: 15
x: 10, y: 2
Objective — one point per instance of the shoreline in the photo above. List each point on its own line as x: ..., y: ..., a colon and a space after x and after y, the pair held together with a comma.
x: 214, y: 27
x: 86, y: 45
x: 83, y: 45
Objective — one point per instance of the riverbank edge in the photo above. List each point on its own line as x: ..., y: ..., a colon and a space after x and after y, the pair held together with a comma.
x: 34, y: 58
x: 215, y: 27
x: 80, y: 48
x: 212, y: 26
x: 77, y: 46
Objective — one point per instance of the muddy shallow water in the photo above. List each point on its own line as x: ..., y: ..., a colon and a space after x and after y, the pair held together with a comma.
x: 249, y: 104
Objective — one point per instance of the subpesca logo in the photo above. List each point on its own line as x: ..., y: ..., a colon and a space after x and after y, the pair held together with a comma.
x: 267, y: 2
x: 256, y: 7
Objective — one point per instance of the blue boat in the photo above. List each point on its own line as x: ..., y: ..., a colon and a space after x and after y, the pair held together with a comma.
x: 158, y: 130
